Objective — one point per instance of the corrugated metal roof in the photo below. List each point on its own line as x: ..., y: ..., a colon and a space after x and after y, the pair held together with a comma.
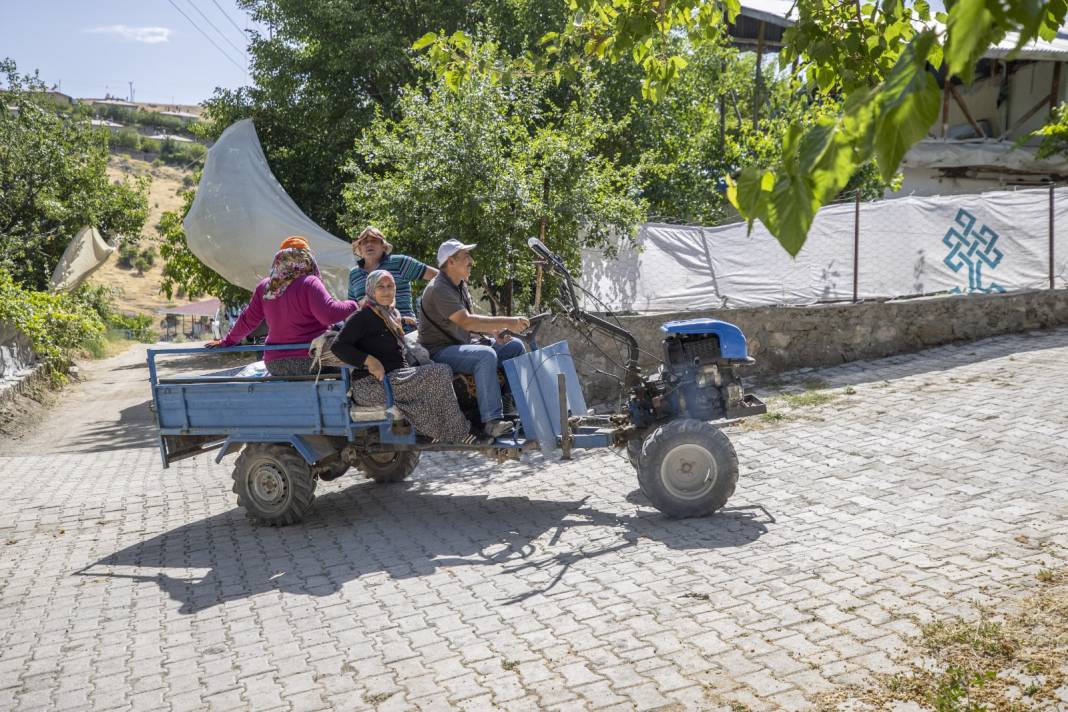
x: 1056, y: 50
x: 775, y: 12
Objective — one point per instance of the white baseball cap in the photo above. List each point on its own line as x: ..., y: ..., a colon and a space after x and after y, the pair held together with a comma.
x: 449, y: 248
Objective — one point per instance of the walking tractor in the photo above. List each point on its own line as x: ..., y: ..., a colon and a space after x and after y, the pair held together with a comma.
x: 291, y: 432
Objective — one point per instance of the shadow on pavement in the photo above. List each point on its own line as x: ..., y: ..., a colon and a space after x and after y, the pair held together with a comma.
x: 405, y: 532
x: 134, y: 428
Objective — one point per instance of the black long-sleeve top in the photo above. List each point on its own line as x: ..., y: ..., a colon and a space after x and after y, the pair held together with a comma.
x: 363, y: 334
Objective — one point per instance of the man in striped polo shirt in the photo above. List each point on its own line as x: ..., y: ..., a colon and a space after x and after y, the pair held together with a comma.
x: 374, y: 252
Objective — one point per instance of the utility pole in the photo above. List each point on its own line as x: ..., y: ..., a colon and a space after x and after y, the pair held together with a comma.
x: 131, y: 92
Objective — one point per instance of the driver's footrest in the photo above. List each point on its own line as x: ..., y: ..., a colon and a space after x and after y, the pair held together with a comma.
x: 749, y: 405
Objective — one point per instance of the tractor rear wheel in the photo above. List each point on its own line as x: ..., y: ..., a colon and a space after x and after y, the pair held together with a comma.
x: 386, y: 467
x: 687, y: 468
x: 273, y: 484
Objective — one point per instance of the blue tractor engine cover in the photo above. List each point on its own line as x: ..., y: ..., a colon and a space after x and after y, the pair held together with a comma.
x: 731, y: 341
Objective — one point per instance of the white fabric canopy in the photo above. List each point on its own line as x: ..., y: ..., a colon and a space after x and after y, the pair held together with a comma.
x: 997, y: 241
x: 85, y: 253
x: 241, y: 214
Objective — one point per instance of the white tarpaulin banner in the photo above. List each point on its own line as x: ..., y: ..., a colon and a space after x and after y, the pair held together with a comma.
x: 241, y: 214
x: 989, y: 242
x: 85, y: 253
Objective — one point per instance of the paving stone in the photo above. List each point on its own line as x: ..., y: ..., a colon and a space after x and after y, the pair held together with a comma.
x: 535, y: 584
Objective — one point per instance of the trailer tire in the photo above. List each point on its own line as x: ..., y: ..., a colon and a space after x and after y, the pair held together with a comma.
x: 273, y: 484
x: 688, y: 468
x: 387, y: 467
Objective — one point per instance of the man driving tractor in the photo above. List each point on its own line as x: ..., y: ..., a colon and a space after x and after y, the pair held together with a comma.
x: 450, y: 332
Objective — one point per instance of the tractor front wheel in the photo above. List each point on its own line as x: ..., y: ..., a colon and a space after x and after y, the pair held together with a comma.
x: 687, y: 468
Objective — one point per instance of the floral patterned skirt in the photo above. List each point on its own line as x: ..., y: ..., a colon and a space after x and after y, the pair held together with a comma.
x: 425, y: 395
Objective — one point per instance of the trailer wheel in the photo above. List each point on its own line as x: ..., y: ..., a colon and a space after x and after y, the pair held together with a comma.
x: 386, y: 467
x: 273, y: 484
x: 687, y: 468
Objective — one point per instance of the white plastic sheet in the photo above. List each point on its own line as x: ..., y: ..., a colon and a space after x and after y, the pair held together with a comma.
x: 989, y: 242
x: 241, y: 214
x: 85, y: 253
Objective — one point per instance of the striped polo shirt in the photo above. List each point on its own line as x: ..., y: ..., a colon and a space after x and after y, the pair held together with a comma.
x: 403, y: 268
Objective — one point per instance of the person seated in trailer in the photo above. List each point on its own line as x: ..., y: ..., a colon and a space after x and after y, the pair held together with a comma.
x: 373, y: 252
x: 296, y: 306
x: 449, y: 330
x: 372, y: 340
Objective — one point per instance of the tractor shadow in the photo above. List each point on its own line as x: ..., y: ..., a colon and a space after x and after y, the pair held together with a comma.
x: 405, y: 531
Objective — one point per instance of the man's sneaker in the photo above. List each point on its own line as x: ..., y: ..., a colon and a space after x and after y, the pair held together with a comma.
x: 480, y: 439
x: 497, y: 428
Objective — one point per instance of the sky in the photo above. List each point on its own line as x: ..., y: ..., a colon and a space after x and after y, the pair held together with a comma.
x: 93, y: 47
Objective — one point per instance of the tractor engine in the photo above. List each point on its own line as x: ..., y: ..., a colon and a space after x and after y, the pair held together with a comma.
x: 699, y: 374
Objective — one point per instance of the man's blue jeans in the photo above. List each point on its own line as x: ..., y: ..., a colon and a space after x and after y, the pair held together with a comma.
x: 481, y: 362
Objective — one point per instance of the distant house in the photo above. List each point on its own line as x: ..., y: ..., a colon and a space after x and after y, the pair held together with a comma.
x: 55, y: 97
x: 980, y: 139
x: 180, y: 114
x: 170, y: 137
x: 111, y: 102
x: 975, y: 144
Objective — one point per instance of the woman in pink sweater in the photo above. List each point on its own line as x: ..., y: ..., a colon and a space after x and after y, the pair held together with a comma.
x: 296, y: 305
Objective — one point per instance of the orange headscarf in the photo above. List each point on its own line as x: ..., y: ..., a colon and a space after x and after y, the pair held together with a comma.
x: 294, y: 241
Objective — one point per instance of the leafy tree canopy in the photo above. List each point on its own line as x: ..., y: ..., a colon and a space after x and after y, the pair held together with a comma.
x: 53, y: 181
x: 487, y: 164
x: 880, y: 59
x: 183, y: 272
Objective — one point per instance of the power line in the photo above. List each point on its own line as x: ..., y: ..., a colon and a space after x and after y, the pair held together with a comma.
x: 215, y: 27
x: 208, y: 38
x: 227, y: 16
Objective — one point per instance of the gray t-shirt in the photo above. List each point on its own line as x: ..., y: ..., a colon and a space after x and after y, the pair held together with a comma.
x: 441, y: 299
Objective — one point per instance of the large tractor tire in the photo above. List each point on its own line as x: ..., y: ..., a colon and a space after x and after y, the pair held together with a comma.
x: 687, y: 468
x: 386, y: 467
x: 273, y: 484
x: 634, y: 451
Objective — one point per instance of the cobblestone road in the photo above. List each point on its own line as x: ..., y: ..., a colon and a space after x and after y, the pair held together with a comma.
x: 535, y: 585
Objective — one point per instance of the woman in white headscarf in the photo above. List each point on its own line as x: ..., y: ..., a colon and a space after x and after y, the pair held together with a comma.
x: 373, y: 340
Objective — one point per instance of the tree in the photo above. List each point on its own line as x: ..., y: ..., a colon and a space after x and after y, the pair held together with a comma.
x: 53, y: 181
x: 182, y: 270
x: 319, y: 76
x: 881, y: 59
x: 486, y: 165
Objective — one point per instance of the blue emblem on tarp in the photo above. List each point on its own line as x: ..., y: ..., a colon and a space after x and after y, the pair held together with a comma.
x: 975, y: 248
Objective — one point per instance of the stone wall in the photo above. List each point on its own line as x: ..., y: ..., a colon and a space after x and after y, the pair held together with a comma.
x: 787, y: 338
x: 17, y: 360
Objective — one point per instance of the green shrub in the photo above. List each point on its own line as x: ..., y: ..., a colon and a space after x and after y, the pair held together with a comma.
x: 125, y: 138
x: 135, y: 326
x: 127, y: 254
x: 57, y: 325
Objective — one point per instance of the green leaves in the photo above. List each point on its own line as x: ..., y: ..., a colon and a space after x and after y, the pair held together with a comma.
x: 53, y: 181
x: 425, y: 41
x: 486, y: 162
x: 817, y: 163
x: 908, y: 101
x: 971, y: 30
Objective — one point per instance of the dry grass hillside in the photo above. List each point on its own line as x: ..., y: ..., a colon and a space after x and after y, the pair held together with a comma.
x: 140, y: 293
